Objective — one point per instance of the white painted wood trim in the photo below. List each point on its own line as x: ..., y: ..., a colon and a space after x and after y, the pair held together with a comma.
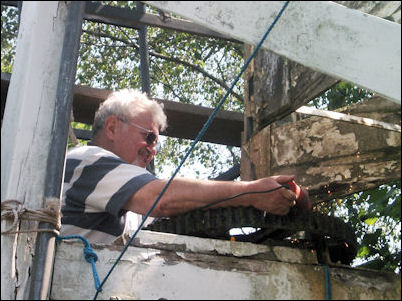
x: 327, y: 37
x: 26, y: 132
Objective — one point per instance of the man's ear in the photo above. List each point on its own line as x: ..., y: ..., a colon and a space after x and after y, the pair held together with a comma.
x: 111, y: 125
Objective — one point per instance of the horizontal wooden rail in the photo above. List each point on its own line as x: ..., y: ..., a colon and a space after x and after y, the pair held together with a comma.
x: 184, y: 120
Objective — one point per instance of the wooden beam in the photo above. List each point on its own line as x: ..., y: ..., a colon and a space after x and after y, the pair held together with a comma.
x: 184, y: 120
x: 34, y: 140
x: 389, y: 10
x: 126, y: 17
x: 275, y: 87
x: 187, y: 120
x: 5, y: 82
x: 332, y: 158
x: 340, y: 42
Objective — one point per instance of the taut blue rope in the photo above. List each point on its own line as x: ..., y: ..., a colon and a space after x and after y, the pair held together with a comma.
x: 199, y: 136
x: 89, y: 255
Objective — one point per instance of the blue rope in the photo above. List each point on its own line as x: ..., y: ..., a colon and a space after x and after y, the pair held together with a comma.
x: 195, y: 141
x: 328, y: 290
x: 89, y: 255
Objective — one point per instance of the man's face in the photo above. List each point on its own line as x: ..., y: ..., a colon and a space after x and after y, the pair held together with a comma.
x: 133, y: 139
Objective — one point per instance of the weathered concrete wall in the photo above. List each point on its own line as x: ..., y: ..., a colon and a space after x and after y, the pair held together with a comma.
x: 181, y: 267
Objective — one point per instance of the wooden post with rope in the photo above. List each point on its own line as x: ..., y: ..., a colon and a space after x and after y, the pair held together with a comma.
x: 35, y: 129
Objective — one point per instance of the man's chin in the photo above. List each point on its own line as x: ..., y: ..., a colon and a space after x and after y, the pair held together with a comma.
x: 142, y: 160
x: 139, y: 163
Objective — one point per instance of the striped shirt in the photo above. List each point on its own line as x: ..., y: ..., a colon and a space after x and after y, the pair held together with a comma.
x: 97, y: 184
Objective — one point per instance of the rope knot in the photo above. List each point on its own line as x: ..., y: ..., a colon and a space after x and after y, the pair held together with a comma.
x: 15, y: 210
x: 90, y: 255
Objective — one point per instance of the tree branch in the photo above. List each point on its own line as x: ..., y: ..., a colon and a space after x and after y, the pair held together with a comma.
x: 168, y: 84
x: 171, y: 59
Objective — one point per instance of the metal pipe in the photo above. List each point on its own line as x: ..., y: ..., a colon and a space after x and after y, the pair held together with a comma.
x: 44, y: 251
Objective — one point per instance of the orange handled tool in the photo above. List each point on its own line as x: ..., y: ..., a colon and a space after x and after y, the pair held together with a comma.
x: 302, y: 198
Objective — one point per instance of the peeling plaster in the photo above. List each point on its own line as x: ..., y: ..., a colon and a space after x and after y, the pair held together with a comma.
x: 188, y: 275
x: 374, y: 169
x: 332, y: 141
x: 322, y: 140
x: 393, y: 139
x: 286, y: 153
x: 333, y: 172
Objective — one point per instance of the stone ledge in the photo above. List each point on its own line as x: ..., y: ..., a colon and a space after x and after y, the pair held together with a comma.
x: 206, y: 269
x: 191, y: 244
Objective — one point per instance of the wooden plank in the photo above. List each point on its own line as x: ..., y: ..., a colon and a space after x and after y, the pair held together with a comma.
x: 120, y: 16
x: 126, y: 17
x: 184, y: 120
x: 389, y: 10
x: 376, y: 108
x: 332, y: 158
x: 276, y: 87
x: 5, y: 82
x: 340, y: 42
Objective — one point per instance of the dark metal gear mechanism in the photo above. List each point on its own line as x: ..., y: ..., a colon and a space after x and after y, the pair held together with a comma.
x: 333, y: 239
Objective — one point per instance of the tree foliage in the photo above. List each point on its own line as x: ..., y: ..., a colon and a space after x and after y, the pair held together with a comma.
x: 376, y: 217
x: 9, y: 29
x: 198, y: 70
x: 341, y: 95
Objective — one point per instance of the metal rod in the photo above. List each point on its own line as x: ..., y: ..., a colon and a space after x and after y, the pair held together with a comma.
x: 44, y: 251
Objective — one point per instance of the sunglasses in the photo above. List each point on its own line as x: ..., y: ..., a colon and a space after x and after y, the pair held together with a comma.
x: 151, y: 136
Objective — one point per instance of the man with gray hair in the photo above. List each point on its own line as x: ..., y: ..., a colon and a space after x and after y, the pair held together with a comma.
x: 107, y: 179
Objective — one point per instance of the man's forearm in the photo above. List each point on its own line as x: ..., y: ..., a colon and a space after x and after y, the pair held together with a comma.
x: 188, y: 194
x: 185, y: 194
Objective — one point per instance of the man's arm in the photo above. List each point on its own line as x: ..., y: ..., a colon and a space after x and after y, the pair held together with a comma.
x: 185, y: 194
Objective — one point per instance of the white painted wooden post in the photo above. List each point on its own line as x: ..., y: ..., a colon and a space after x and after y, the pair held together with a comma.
x: 29, y: 126
x: 324, y: 36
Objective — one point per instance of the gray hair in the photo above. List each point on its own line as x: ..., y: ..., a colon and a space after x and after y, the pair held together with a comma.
x: 126, y: 104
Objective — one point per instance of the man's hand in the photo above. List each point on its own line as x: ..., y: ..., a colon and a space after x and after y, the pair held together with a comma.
x: 188, y: 194
x: 276, y: 202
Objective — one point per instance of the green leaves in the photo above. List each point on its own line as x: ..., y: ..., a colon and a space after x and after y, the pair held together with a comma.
x: 342, y: 94
x: 9, y: 29
x: 363, y: 252
x: 371, y: 221
x: 376, y: 217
